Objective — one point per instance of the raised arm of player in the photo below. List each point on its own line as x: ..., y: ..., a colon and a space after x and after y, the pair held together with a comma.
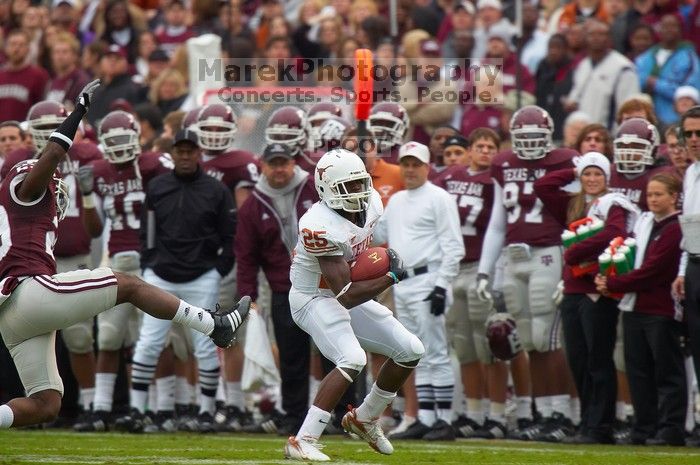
x: 336, y: 272
x: 60, y: 141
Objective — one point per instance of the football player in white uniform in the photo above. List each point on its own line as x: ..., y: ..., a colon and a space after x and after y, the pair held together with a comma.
x: 339, y: 314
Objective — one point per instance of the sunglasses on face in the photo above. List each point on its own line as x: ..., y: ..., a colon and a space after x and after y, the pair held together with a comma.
x: 689, y: 134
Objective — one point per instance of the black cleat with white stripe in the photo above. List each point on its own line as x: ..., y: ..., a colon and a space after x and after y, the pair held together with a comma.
x: 227, y: 322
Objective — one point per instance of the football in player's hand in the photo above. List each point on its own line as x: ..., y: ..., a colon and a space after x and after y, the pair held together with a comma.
x: 370, y: 264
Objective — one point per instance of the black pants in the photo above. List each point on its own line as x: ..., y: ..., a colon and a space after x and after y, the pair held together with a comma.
x: 656, y: 374
x: 294, y: 350
x: 692, y: 312
x: 589, y: 334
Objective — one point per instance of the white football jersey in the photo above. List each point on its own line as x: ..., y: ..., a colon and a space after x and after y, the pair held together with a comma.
x: 324, y: 232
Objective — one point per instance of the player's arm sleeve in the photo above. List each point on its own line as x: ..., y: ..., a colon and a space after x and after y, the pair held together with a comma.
x: 495, y: 232
x: 450, y: 239
x: 225, y: 229
x: 247, y: 246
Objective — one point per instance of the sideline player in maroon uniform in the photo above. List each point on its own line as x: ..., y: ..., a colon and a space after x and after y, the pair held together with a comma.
x: 532, y: 261
x: 238, y: 170
x: 290, y: 126
x: 119, y: 182
x: 37, y: 301
x: 472, y: 187
x: 389, y: 123
x: 635, y: 156
x: 72, y: 250
x: 319, y: 114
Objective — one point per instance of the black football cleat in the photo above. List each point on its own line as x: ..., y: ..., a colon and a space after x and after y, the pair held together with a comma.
x: 227, y: 322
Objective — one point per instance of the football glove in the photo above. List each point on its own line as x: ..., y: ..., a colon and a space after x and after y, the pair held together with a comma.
x: 482, y: 284
x: 86, y: 179
x: 85, y: 96
x: 437, y: 298
x: 396, y: 265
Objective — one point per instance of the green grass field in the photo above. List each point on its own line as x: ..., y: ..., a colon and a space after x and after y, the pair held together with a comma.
x: 64, y: 448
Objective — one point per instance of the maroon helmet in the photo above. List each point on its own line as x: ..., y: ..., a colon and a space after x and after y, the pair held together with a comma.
x: 119, y: 134
x: 216, y: 127
x: 635, y: 145
x: 389, y: 123
x: 290, y: 126
x: 531, y: 130
x: 44, y: 118
x: 191, y: 118
x: 319, y: 114
x: 502, y: 334
x: 331, y: 132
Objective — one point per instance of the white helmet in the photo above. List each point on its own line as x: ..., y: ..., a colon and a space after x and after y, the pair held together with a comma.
x: 334, y: 171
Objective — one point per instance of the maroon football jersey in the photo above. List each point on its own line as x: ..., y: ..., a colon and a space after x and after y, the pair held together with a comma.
x: 72, y: 239
x: 527, y: 221
x: 27, y: 231
x: 235, y: 168
x: 19, y: 90
x: 169, y: 41
x: 65, y: 89
x: 307, y: 161
x: 473, y: 192
x: 123, y: 191
x: 634, y: 186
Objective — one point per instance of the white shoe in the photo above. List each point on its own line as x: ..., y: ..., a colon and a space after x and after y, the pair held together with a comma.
x: 370, y: 431
x: 406, y: 422
x: 305, y: 449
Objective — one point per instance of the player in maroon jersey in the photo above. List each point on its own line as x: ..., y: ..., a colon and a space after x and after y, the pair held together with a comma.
x: 532, y: 262
x: 72, y: 250
x: 238, y: 170
x: 389, y: 123
x: 635, y: 151
x: 119, y: 182
x: 319, y: 114
x: 37, y: 301
x: 290, y: 126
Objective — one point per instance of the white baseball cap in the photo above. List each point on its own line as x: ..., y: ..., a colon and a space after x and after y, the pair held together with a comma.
x: 687, y: 91
x: 489, y: 4
x: 415, y: 149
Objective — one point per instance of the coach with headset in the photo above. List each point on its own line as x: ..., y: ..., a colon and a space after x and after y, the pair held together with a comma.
x: 687, y: 284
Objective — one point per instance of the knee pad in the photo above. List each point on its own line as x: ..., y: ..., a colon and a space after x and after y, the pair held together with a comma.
x: 412, y: 352
x: 110, y: 337
x: 545, y: 332
x: 78, y: 338
x: 352, y: 360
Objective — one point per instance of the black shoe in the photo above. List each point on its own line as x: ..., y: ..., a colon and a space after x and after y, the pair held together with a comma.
x: 583, y: 439
x: 134, y: 422
x: 441, y: 431
x: 416, y: 431
x: 270, y: 424
x: 232, y: 419
x: 557, y: 427
x: 491, y: 430
x: 527, y: 429
x: 227, y: 322
x: 163, y: 422
x: 667, y: 437
x: 204, y: 423
x: 92, y: 422
x: 465, y: 427
x: 622, y: 431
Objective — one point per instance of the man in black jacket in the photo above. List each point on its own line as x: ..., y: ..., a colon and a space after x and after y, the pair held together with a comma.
x: 187, y: 239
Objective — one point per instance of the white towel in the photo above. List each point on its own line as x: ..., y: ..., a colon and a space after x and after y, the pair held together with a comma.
x: 259, y: 367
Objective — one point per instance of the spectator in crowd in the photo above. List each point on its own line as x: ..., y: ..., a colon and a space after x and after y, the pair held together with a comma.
x: 534, y: 42
x: 576, y: 41
x: 174, y: 32
x: 625, y: 23
x: 573, y: 125
x: 490, y: 15
x: 641, y: 38
x: 666, y: 66
x: 677, y: 153
x: 554, y: 78
x: 158, y: 62
x: 65, y: 14
x: 603, y: 80
x: 21, y: 84
x: 11, y: 138
x: 169, y: 91
x: 636, y: 106
x: 147, y: 45
x: 68, y: 77
x: 90, y: 58
x: 172, y: 123
x: 31, y: 24
x: 372, y: 30
x: 462, y: 21
x: 595, y: 138
x: 652, y: 320
x: 456, y: 151
x: 589, y: 321
x: 422, y: 224
x: 359, y: 11
x: 122, y: 25
x: 265, y: 239
x: 685, y: 98
x: 693, y: 23
x: 578, y: 11
x: 150, y: 119
x: 500, y: 47
x: 116, y: 83
x: 437, y: 147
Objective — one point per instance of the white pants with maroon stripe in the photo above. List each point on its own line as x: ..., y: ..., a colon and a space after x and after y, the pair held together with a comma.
x: 39, y: 307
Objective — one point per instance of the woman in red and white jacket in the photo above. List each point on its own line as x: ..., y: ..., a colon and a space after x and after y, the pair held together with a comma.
x: 652, y: 319
x: 589, y: 320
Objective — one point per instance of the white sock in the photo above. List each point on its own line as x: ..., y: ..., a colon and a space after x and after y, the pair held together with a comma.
x: 152, y: 403
x: 104, y: 391
x: 234, y: 394
x: 313, y: 388
x: 315, y: 422
x: 221, y: 390
x: 497, y: 412
x: 562, y: 404
x: 544, y: 406
x: 7, y: 416
x: 523, y: 407
x: 374, y: 404
x: 196, y: 392
x: 194, y: 317
x: 139, y: 399
x: 575, y: 404
x: 629, y: 410
x: 182, y: 391
x: 207, y: 404
x: 87, y: 397
x: 427, y: 417
x: 474, y: 410
x: 165, y: 388
x: 399, y: 403
x: 485, y: 405
x: 620, y: 410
